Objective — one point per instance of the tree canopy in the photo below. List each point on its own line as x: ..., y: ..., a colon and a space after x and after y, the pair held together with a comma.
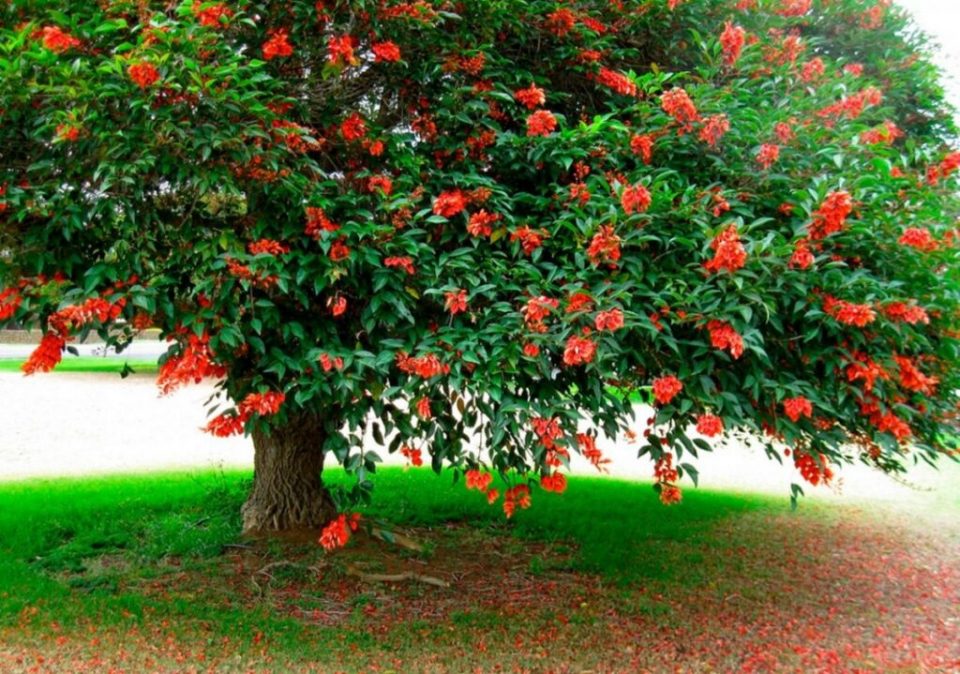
x: 474, y: 229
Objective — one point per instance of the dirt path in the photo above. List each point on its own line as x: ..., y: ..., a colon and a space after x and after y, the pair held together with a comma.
x: 74, y: 424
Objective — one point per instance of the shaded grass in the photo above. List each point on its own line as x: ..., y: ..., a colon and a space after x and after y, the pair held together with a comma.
x: 90, y: 364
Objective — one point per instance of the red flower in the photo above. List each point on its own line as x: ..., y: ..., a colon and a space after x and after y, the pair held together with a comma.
x: 518, y: 496
x: 317, y: 221
x: 530, y: 239
x: 635, y: 199
x: 541, y: 123
x: 609, y: 320
x: 267, y: 247
x: 337, y: 533
x: 811, y: 470
x: 456, y: 301
x: 556, y: 483
x: 481, y: 223
x: 338, y: 305
x: 477, y: 480
x: 730, y: 253
x: 666, y: 388
x: 56, y: 40
x: 328, y: 363
x: 619, y: 82
x: 10, y: 301
x: 812, y: 70
x: 68, y: 133
x: 47, y: 355
x: 263, y: 404
x: 676, y: 103
x: 768, y: 155
x: 353, y: 128
x: 405, y: 263
x: 604, y: 247
x: 919, y: 238
x: 386, y: 52
x: 589, y: 451
x: 642, y: 144
x: 579, y: 351
x: 714, y: 129
x: 340, y: 50
x: 797, y: 407
x: 414, y: 456
x: 277, y: 46
x: 912, y: 379
x: 848, y: 313
x: 194, y: 363
x: 224, y: 425
x: 214, y: 16
x: 732, y: 39
x: 426, y: 366
x: 143, y: 74
x: 531, y: 97
x: 536, y: 310
x: 709, y: 425
x: 423, y: 408
x: 531, y: 350
x: 670, y: 494
x: 802, y: 258
x: 906, y: 313
x: 380, y: 183
x: 449, y: 203
x: 339, y: 251
x: 831, y: 216
x: 579, y: 301
x: 723, y: 336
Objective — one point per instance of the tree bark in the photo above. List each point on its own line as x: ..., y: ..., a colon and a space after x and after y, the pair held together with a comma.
x: 288, y: 492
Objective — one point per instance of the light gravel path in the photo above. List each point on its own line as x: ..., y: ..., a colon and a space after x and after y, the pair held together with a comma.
x: 75, y: 424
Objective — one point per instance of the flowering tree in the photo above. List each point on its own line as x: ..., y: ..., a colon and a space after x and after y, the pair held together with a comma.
x: 469, y: 228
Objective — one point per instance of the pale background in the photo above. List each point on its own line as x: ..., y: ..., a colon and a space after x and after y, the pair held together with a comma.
x: 941, y: 20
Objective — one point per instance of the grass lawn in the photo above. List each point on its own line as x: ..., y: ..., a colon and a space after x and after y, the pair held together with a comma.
x: 87, y: 364
x: 150, y: 573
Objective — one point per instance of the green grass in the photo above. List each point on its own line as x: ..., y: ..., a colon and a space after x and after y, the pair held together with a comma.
x: 126, y: 553
x: 87, y: 364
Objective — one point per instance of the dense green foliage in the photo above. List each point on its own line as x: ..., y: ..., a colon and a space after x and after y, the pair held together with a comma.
x: 466, y: 221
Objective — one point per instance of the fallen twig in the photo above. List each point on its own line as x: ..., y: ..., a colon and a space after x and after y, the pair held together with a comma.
x: 396, y: 577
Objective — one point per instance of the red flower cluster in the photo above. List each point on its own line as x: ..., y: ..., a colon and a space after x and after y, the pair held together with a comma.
x: 919, y: 238
x: 768, y: 155
x: 579, y: 351
x: 456, y: 301
x: 729, y: 252
x: 229, y: 423
x: 477, y: 480
x: 642, y: 144
x: 213, y: 16
x: 530, y: 239
x: 713, y: 130
x: 404, y: 262
x: 848, y: 313
x: 532, y: 97
x: 267, y: 247
x: 832, y: 215
x: 10, y: 301
x: 723, y: 336
x: 427, y: 366
x: 481, y: 223
x: 340, y: 51
x: 589, y: 451
x: 676, y: 103
x: 317, y: 221
x: 609, y: 321
x: 516, y: 497
x: 666, y: 389
x: 618, y: 82
x: 548, y: 431
x: 801, y: 258
x: 47, y: 355
x: 811, y: 470
x: 57, y: 40
x: 709, y: 425
x: 797, y: 407
x: 278, y: 46
x: 867, y: 369
x: 635, y: 199
x: 604, y: 247
x: 337, y: 533
x: 556, y: 483
x: 906, y: 313
x: 732, y: 40
x: 912, y: 379
x: 328, y: 363
x: 193, y: 364
x: 666, y: 475
x: 143, y: 74
x: 386, y: 52
x: 353, y: 128
x: 413, y: 456
x: 536, y: 310
x: 450, y: 203
x: 541, y: 123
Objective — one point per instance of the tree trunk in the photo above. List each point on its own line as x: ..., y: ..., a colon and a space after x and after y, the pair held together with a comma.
x: 288, y: 492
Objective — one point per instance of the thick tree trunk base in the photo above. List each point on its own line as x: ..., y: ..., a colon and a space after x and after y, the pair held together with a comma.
x: 288, y: 493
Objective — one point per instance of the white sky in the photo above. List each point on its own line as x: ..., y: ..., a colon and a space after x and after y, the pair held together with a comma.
x: 940, y: 19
